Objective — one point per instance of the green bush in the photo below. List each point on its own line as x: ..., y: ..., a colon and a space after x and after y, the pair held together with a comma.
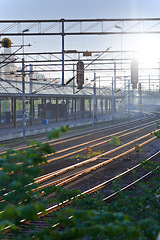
x: 116, y: 141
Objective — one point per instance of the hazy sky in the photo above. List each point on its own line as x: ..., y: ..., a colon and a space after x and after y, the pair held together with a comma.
x: 77, y: 9
x: 80, y: 9
x: 56, y: 9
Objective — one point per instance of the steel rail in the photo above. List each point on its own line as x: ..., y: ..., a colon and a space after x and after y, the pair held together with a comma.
x: 72, y: 177
x: 69, y: 201
x: 49, y: 175
x: 77, y: 151
x: 101, y: 138
x: 124, y: 188
x: 88, y: 133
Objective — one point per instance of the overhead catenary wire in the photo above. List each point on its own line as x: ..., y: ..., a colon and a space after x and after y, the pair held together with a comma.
x: 10, y: 57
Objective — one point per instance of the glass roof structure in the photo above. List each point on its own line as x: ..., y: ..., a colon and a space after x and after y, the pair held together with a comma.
x: 11, y: 88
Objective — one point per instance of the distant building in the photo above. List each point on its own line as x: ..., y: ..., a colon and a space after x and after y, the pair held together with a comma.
x: 7, y: 66
x: 10, y: 71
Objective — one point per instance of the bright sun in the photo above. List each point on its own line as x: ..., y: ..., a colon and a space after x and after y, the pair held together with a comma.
x: 148, y: 49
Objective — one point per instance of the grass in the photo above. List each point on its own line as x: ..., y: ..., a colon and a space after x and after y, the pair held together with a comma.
x: 87, y: 156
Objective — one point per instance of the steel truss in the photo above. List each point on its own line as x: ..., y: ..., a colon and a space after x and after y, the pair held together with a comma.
x: 66, y: 27
x: 80, y: 26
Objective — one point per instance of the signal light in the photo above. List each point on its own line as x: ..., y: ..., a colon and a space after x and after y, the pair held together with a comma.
x: 6, y: 43
x: 80, y: 74
x: 134, y: 73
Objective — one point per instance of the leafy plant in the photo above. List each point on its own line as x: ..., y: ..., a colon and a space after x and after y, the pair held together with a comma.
x: 88, y: 155
x: 19, y: 168
x: 18, y: 171
x: 78, y: 156
x: 93, y: 153
x: 115, y: 141
x: 55, y: 133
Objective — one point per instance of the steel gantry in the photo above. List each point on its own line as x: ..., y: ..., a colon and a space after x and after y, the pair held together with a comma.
x: 80, y: 26
x: 71, y: 27
x: 64, y: 28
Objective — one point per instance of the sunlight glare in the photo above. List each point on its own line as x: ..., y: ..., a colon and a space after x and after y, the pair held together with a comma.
x: 148, y: 49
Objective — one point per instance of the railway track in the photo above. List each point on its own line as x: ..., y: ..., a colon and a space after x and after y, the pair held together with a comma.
x: 71, y: 145
x: 97, y: 160
x: 97, y: 163
x: 86, y: 169
x: 75, y: 169
x: 81, y: 133
x: 128, y: 181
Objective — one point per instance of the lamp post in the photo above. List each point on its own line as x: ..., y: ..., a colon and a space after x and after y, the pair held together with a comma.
x: 23, y: 89
x: 62, y: 51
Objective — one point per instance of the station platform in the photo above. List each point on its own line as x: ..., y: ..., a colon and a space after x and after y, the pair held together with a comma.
x: 7, y: 133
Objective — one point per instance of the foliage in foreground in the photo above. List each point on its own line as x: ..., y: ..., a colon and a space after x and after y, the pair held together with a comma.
x: 130, y: 217
x: 19, y: 168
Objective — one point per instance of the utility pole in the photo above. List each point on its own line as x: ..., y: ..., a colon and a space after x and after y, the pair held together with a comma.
x: 73, y: 80
x: 129, y: 100
x: 94, y: 99
x: 125, y: 94
x: 149, y: 84
x: 23, y: 102
x: 62, y: 51
x: 30, y: 76
x: 112, y: 100
x: 140, y: 98
x: 114, y: 76
x: 23, y: 89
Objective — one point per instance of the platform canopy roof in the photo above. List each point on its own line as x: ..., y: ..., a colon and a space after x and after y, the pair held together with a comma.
x: 10, y: 88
